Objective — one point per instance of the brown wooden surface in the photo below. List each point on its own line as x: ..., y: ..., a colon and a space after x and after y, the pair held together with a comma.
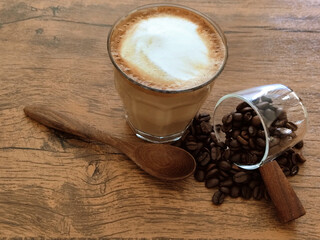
x: 55, y: 185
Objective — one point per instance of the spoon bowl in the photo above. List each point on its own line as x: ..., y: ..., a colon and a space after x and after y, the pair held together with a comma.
x: 162, y: 161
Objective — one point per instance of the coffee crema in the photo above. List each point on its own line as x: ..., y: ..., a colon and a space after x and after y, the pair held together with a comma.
x: 167, y: 48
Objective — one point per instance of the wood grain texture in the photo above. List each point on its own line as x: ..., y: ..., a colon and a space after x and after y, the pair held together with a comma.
x: 56, y: 185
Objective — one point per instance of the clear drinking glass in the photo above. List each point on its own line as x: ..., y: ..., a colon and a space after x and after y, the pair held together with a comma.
x: 159, y: 115
x: 280, y: 110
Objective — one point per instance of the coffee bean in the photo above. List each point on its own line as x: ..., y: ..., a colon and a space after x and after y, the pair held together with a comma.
x: 270, y: 115
x: 252, y: 131
x: 213, y: 137
x: 299, y: 145
x: 215, y: 153
x: 235, y: 133
x: 236, y: 158
x: 237, y: 116
x: 262, y: 105
x: 227, y: 119
x: 257, y: 193
x: 300, y: 158
x: 246, y: 109
x: 203, y: 117
x: 210, y: 166
x: 260, y: 133
x: 252, y: 143
x: 294, y: 170
x: 253, y: 183
x: 266, y: 99
x: 199, y: 175
x: 226, y: 154
x: 242, y: 105
x: 224, y: 174
x: 218, y: 197
x: 282, y: 161
x: 291, y: 126
x: 256, y: 121
x: 247, y: 117
x: 235, y: 191
x: 261, y: 142
x: 212, y: 173
x: 226, y: 183
x: 286, y: 171
x: 241, y: 177
x: 234, y: 144
x: 191, y: 146
x: 244, y: 134
x: 246, y: 192
x: 225, y: 190
x: 224, y: 165
x: 205, y: 127
x: 212, y: 182
x: 204, y: 158
x: 242, y: 140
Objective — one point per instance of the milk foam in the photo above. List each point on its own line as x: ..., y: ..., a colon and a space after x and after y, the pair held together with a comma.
x: 168, y: 50
x: 169, y: 46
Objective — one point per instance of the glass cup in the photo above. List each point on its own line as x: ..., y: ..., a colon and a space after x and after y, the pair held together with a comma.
x: 157, y: 115
x: 280, y: 111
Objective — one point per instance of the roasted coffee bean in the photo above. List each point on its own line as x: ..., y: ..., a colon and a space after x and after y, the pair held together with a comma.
x: 227, y: 119
x: 300, y: 158
x: 226, y: 183
x: 244, y: 134
x: 235, y: 158
x: 246, y: 109
x: 294, y: 170
x: 236, y: 125
x: 237, y: 116
x: 215, y: 153
x: 241, y: 106
x: 218, y: 197
x: 235, y: 133
x: 212, y: 182
x: 242, y: 141
x: 241, y: 177
x: 252, y: 131
x: 266, y: 99
x: 224, y: 174
x: 203, y: 117
x: 257, y: 193
x: 225, y: 190
x: 260, y: 133
x: 235, y: 191
x: 210, y: 166
x: 282, y: 161
x: 246, y: 192
x: 291, y: 126
x: 191, y: 145
x: 270, y: 115
x: 256, y: 121
x: 224, y: 165
x: 253, y: 183
x: 286, y: 171
x: 199, y: 175
x: 299, y: 145
x: 234, y: 144
x: 226, y: 154
x: 247, y: 117
x: 206, y: 127
x: 212, y: 173
x: 252, y: 143
x: 261, y: 142
x: 213, y: 137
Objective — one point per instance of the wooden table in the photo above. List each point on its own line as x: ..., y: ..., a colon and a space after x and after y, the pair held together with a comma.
x: 56, y: 185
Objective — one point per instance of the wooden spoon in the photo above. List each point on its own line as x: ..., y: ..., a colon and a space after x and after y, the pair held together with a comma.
x: 162, y: 161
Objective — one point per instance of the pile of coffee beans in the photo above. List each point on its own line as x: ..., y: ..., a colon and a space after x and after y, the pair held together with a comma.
x: 245, y: 136
x: 216, y: 170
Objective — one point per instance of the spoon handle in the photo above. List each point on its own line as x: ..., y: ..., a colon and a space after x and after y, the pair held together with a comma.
x: 284, y: 198
x: 66, y: 123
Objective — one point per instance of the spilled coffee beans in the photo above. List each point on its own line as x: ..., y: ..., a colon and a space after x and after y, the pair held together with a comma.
x: 215, y: 159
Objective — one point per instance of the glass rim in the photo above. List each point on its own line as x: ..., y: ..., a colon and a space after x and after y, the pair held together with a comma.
x: 207, y: 18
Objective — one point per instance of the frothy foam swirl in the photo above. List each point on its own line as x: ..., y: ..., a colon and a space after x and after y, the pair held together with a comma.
x: 168, y: 51
x: 169, y: 46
